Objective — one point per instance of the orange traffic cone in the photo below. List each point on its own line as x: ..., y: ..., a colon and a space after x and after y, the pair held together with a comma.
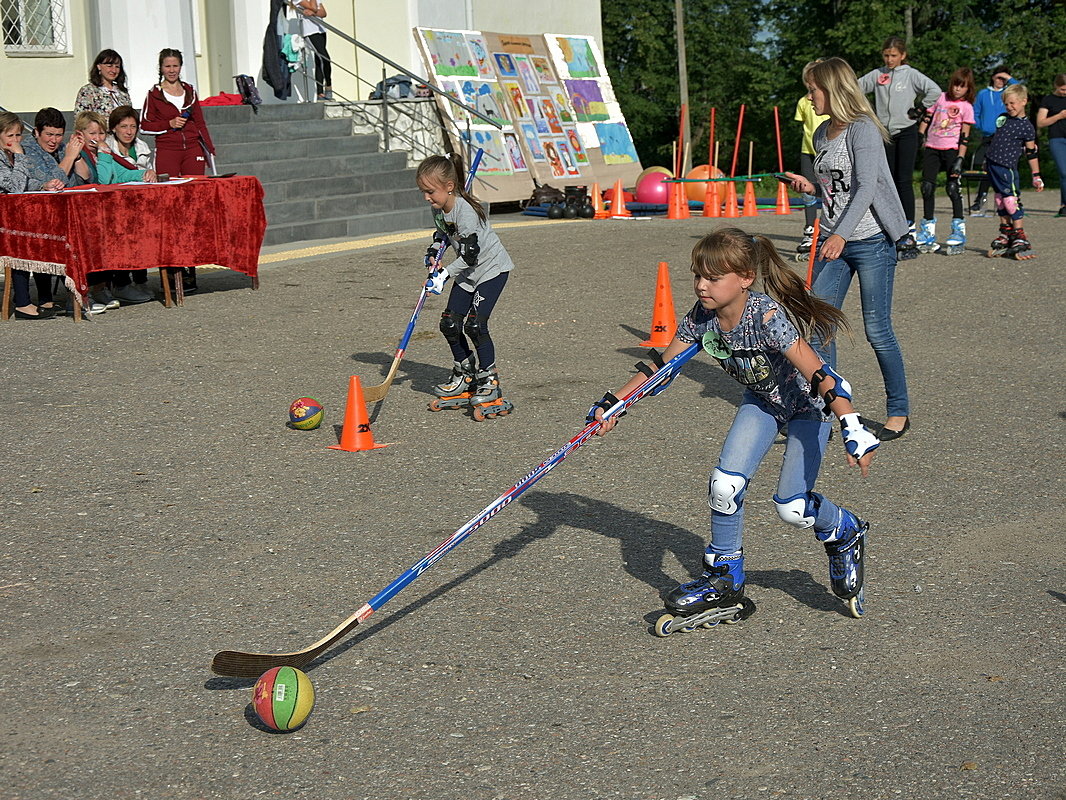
x: 618, y: 203
x: 712, y: 202
x: 663, y: 319
x: 673, y: 204
x: 597, y: 203
x: 750, y: 203
x: 731, y: 209
x: 682, y: 202
x: 356, y: 433
x: 783, y: 205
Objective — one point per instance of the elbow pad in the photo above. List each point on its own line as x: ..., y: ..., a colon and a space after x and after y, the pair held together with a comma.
x: 964, y: 140
x: 1032, y: 152
x: 469, y: 249
x: 840, y: 388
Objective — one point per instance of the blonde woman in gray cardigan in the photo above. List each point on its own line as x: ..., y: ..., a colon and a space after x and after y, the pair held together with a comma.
x: 862, y: 219
x: 895, y: 87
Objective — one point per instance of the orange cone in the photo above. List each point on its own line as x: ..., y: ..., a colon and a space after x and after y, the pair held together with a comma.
x: 356, y: 435
x: 712, y: 202
x: 673, y: 204
x: 618, y: 203
x: 682, y: 202
x: 750, y: 203
x: 597, y: 203
x: 663, y: 319
x: 783, y: 205
x: 731, y: 209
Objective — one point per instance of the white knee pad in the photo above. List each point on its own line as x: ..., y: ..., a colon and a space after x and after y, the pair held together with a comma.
x: 799, y: 511
x: 726, y: 491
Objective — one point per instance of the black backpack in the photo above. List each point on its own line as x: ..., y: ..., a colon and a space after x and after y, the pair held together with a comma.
x: 249, y: 94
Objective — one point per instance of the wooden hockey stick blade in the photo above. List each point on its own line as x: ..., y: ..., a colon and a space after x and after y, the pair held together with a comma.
x: 235, y: 664
x: 372, y: 394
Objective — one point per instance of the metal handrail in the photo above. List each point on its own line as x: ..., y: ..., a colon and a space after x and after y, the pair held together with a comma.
x: 397, y: 67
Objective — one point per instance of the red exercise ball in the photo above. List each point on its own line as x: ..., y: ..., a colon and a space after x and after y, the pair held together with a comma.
x: 652, y: 189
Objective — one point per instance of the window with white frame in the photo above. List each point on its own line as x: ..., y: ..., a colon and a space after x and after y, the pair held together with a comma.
x: 32, y: 27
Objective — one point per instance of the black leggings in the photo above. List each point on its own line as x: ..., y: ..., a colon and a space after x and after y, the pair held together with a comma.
x: 933, y: 163
x: 471, y: 310
x: 20, y: 285
x: 323, y: 66
x: 902, y: 149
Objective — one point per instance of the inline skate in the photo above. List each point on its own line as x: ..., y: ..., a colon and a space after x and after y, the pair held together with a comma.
x: 1001, y: 244
x: 803, y: 249
x: 1020, y: 248
x: 925, y: 240
x: 907, y: 247
x: 955, y: 244
x: 716, y: 596
x: 846, y: 545
x: 480, y: 392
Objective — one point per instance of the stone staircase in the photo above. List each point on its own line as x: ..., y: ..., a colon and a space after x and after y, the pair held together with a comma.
x: 321, y: 182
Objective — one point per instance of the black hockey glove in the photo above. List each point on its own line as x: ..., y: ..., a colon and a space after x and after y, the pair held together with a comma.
x: 605, y: 403
x: 956, y: 168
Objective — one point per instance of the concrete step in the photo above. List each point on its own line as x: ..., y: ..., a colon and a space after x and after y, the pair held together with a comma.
x: 223, y: 115
x: 388, y: 180
x: 268, y: 131
x: 341, y: 227
x: 296, y: 149
x: 325, y: 167
x: 314, y: 208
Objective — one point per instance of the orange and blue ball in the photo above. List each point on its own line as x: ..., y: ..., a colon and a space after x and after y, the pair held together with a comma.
x: 283, y: 698
x: 305, y: 413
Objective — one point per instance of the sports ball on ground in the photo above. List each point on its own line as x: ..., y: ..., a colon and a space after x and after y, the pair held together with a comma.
x: 651, y: 189
x: 697, y: 191
x: 305, y: 413
x: 283, y: 698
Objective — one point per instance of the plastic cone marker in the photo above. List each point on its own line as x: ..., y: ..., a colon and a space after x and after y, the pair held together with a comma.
x: 712, y: 203
x: 663, y: 318
x: 731, y: 208
x: 618, y: 203
x: 783, y: 204
x: 750, y: 203
x: 356, y: 435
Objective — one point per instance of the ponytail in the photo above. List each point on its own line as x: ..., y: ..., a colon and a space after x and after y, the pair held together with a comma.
x: 450, y: 168
x: 810, y: 314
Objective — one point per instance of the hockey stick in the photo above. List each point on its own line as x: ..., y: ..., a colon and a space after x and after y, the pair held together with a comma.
x: 252, y: 665
x: 372, y: 394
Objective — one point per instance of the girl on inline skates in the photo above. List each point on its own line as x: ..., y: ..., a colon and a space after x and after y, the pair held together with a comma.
x: 759, y: 339
x: 480, y: 273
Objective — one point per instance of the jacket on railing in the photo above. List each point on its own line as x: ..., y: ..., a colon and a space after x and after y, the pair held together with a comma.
x: 275, y: 67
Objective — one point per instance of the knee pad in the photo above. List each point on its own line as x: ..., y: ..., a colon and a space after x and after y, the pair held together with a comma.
x: 800, y: 510
x: 725, y: 494
x: 928, y: 188
x: 449, y: 326
x: 476, y: 327
x: 953, y: 189
x: 1010, y: 207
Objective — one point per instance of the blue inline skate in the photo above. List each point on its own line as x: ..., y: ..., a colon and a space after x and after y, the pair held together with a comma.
x: 716, y: 596
x: 925, y: 239
x: 846, y: 545
x: 956, y: 241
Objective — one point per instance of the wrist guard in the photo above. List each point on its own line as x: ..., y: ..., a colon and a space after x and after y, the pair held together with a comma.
x: 858, y: 440
x: 469, y: 249
x: 605, y: 403
x: 437, y: 279
x: 916, y: 113
x: 840, y: 388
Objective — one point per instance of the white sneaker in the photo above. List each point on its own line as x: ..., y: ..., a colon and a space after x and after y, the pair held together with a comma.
x: 104, y: 296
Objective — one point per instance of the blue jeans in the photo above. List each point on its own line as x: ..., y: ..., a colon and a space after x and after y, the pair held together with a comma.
x: 874, y: 261
x: 749, y: 439
x: 1058, y: 152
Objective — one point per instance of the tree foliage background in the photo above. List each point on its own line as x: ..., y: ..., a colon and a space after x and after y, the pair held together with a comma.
x: 753, y: 52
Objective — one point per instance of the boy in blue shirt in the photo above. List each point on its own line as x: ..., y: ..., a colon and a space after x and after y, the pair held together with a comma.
x: 1014, y: 134
x: 986, y: 110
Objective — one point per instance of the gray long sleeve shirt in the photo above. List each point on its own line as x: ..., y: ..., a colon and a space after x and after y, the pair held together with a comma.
x: 895, y: 91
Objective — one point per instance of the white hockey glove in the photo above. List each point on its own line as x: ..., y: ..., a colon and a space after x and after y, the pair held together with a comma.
x: 858, y: 440
x: 437, y: 279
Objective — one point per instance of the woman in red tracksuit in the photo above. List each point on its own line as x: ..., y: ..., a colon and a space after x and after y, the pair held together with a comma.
x: 172, y: 114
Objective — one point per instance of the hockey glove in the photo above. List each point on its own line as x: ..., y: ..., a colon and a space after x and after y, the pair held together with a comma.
x: 437, y: 279
x: 858, y: 440
x: 956, y: 168
x: 605, y: 403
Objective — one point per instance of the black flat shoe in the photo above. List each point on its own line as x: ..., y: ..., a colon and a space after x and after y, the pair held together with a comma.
x: 24, y: 315
x: 887, y: 434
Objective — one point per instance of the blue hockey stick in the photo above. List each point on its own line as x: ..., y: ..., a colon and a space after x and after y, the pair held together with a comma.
x: 372, y: 394
x: 252, y: 665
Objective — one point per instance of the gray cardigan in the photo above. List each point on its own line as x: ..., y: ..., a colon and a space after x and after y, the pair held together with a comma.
x: 872, y: 186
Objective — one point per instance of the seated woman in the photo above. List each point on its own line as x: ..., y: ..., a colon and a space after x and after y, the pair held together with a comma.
x: 49, y: 157
x: 15, y: 178
x: 131, y: 155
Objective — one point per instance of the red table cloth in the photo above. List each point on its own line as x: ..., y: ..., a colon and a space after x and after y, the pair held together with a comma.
x: 205, y: 221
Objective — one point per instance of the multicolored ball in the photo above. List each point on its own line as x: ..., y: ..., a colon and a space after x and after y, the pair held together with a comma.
x: 283, y: 698
x: 305, y: 413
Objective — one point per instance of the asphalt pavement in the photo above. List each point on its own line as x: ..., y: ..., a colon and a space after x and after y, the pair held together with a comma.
x: 156, y: 508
